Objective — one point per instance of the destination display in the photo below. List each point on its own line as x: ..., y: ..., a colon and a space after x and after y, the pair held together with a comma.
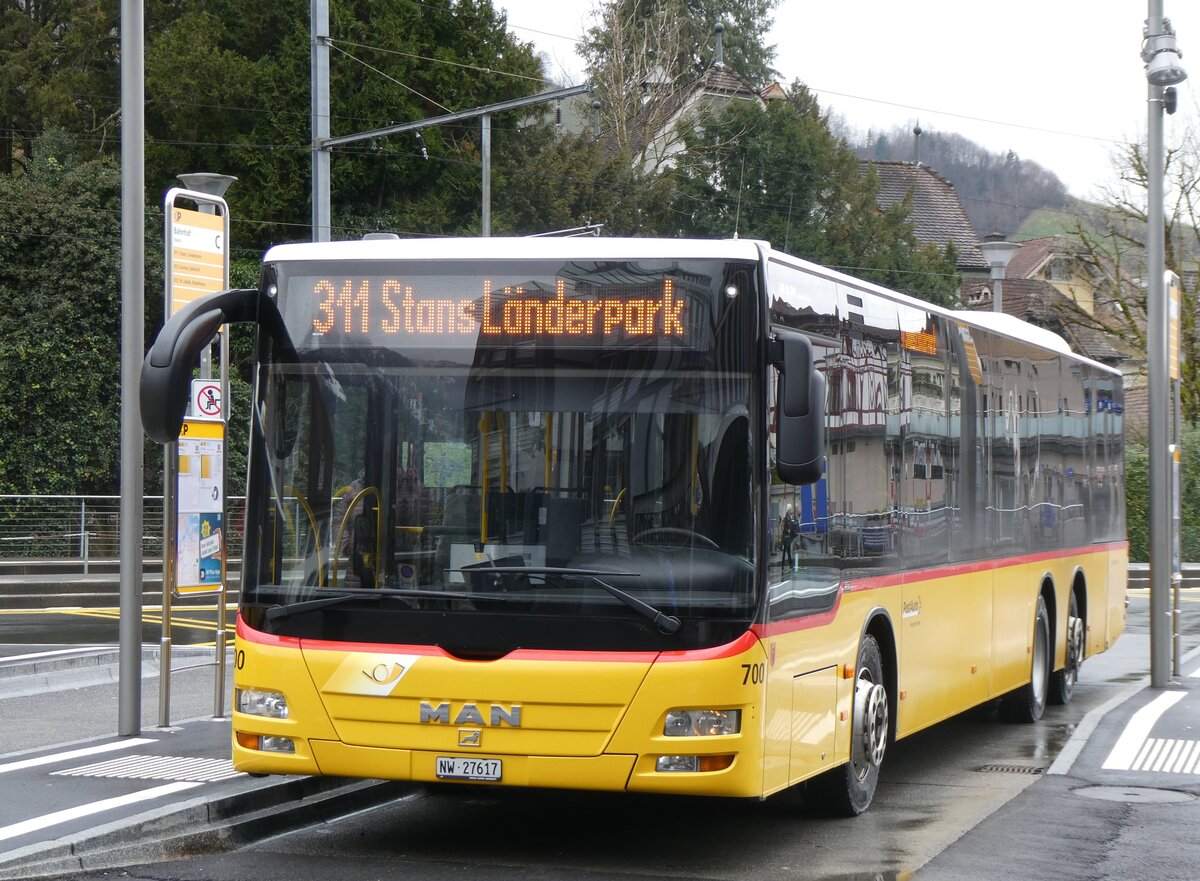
x: 391, y: 306
x: 615, y: 307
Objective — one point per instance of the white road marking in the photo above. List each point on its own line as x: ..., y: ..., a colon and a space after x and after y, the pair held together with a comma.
x: 35, y: 824
x: 1189, y: 761
x: 69, y: 755
x: 1168, y: 756
x: 35, y: 655
x: 1130, y: 746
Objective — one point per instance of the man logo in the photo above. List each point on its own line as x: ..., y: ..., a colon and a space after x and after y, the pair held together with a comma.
x: 384, y: 674
x: 469, y: 736
x: 470, y: 714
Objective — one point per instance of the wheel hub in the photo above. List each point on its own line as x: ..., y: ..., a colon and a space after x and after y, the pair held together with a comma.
x: 1074, y: 641
x: 870, y: 725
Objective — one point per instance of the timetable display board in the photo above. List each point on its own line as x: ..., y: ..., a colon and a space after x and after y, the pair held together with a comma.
x: 199, y: 492
x: 197, y: 256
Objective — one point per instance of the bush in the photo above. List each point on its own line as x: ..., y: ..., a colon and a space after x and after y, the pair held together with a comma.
x: 1137, y: 497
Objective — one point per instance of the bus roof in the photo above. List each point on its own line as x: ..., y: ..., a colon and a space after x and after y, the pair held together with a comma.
x: 526, y: 248
x: 386, y: 247
x: 996, y: 322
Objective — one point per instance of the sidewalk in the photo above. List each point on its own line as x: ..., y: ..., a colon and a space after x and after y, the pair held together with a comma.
x: 88, y: 799
x: 1121, y: 800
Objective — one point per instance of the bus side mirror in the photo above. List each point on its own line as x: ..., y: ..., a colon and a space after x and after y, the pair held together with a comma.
x: 167, y: 368
x: 800, y: 410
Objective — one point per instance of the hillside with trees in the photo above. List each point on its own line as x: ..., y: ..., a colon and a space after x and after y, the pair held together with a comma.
x: 998, y: 190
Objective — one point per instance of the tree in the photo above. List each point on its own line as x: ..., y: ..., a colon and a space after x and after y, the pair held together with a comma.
x: 1137, y: 494
x: 392, y: 61
x: 677, y: 37
x: 998, y: 190
x: 60, y: 251
x: 778, y: 173
x: 1113, y: 239
x: 643, y: 56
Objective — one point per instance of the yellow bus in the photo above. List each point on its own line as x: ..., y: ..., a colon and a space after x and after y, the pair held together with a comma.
x: 647, y: 515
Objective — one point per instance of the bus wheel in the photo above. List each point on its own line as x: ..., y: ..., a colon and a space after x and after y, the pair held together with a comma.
x: 847, y: 791
x: 1029, y: 701
x: 1062, y: 685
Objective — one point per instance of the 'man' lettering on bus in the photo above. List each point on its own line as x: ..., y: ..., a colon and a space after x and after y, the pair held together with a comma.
x: 352, y: 307
x: 470, y: 714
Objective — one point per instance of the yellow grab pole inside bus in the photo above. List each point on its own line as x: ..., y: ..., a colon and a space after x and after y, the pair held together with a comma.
x: 484, y: 426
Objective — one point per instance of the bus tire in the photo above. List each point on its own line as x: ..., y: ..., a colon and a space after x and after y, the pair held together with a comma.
x: 846, y: 791
x: 1062, y: 683
x: 1028, y: 702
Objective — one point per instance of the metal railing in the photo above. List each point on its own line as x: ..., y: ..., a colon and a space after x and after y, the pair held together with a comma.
x: 86, y: 528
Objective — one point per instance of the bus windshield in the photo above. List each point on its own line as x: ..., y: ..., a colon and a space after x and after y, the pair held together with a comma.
x: 418, y: 433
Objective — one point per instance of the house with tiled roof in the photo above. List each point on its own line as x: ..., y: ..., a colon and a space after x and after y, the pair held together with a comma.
x: 938, y: 215
x: 1065, y: 264
x: 656, y: 136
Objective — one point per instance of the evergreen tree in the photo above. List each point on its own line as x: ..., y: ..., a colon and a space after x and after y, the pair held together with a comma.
x: 60, y: 253
x: 778, y: 173
x: 392, y: 61
x: 58, y: 69
x: 680, y: 41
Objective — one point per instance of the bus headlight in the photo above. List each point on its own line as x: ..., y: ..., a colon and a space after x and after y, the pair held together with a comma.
x: 692, y: 764
x: 254, y: 702
x: 702, y: 723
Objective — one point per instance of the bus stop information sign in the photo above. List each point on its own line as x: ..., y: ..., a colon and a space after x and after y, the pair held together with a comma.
x: 197, y: 256
x: 200, y: 494
x: 199, y: 532
x: 197, y: 264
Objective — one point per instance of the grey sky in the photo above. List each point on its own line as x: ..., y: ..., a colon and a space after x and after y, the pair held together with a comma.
x: 1058, y: 81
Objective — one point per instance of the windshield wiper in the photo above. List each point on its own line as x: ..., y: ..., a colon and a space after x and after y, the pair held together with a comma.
x: 288, y: 609
x: 664, y: 622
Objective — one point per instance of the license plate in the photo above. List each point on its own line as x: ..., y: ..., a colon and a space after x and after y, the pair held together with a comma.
x: 467, y: 769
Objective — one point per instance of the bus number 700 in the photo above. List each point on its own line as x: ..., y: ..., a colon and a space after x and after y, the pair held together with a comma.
x: 754, y: 673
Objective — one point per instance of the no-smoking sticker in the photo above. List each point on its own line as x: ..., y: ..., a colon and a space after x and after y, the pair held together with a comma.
x: 206, y: 398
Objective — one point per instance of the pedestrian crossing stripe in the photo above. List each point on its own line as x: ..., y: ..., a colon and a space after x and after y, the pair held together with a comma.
x: 1131, y: 746
x: 1169, y: 756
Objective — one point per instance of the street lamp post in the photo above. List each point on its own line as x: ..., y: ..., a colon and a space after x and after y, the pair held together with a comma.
x: 997, y: 252
x: 1161, y: 55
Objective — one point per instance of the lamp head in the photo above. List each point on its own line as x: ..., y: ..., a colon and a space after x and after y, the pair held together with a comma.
x: 1161, y: 53
x: 1164, y: 68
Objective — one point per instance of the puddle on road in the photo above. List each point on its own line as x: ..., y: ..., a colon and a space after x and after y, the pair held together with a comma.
x: 1127, y: 677
x: 1049, y: 741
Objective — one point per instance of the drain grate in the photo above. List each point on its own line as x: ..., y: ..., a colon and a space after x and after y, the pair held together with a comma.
x: 1001, y: 768
x: 157, y: 768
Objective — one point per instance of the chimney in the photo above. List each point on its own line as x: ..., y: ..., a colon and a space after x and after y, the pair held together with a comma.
x: 917, y: 144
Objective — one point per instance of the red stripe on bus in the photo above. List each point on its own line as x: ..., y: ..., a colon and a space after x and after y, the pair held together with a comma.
x: 328, y: 645
x: 954, y: 570
x: 743, y: 643
x: 791, y: 625
x: 249, y: 634
x: 738, y: 646
x: 854, y: 585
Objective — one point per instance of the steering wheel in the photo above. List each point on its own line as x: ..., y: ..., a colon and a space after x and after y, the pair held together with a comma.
x: 682, y: 537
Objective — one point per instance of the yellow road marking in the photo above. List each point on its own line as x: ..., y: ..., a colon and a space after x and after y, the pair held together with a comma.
x: 112, y: 614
